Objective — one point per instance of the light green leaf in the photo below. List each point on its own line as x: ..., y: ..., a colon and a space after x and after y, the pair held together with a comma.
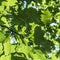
x: 46, y: 16
x: 13, y: 48
x: 38, y: 55
x: 57, y: 16
x: 7, y: 47
x: 1, y: 48
x: 53, y: 57
x: 5, y: 57
x: 2, y: 37
x: 5, y: 21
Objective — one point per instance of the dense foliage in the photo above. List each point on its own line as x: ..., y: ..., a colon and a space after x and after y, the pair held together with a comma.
x: 29, y: 29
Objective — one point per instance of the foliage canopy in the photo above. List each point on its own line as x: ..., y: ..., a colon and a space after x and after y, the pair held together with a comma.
x: 29, y: 29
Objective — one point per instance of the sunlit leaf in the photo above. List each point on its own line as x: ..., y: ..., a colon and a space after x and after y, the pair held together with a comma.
x: 2, y: 37
x: 46, y: 16
x: 5, y: 57
x: 7, y: 47
x: 1, y: 48
x: 57, y: 16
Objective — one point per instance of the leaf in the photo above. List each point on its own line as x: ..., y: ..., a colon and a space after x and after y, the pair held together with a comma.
x: 38, y: 55
x: 1, y: 8
x: 46, y: 16
x: 5, y: 21
x: 2, y: 37
x: 7, y: 47
x: 23, y: 49
x: 53, y: 57
x: 13, y: 48
x: 57, y: 16
x: 3, y: 57
x: 58, y: 31
x: 58, y: 58
x: 11, y: 2
x: 1, y: 48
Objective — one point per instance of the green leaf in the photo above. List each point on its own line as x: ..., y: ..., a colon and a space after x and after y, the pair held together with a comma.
x: 1, y: 8
x: 38, y: 55
x: 8, y: 57
x: 24, y: 49
x: 1, y: 48
x: 46, y: 16
x: 2, y: 37
x: 3, y: 20
x: 13, y: 48
x: 11, y: 2
x: 7, y: 48
x: 57, y: 16
x: 53, y: 57
x: 58, y: 58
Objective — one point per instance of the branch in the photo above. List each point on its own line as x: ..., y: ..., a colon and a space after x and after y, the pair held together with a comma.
x: 12, y: 30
